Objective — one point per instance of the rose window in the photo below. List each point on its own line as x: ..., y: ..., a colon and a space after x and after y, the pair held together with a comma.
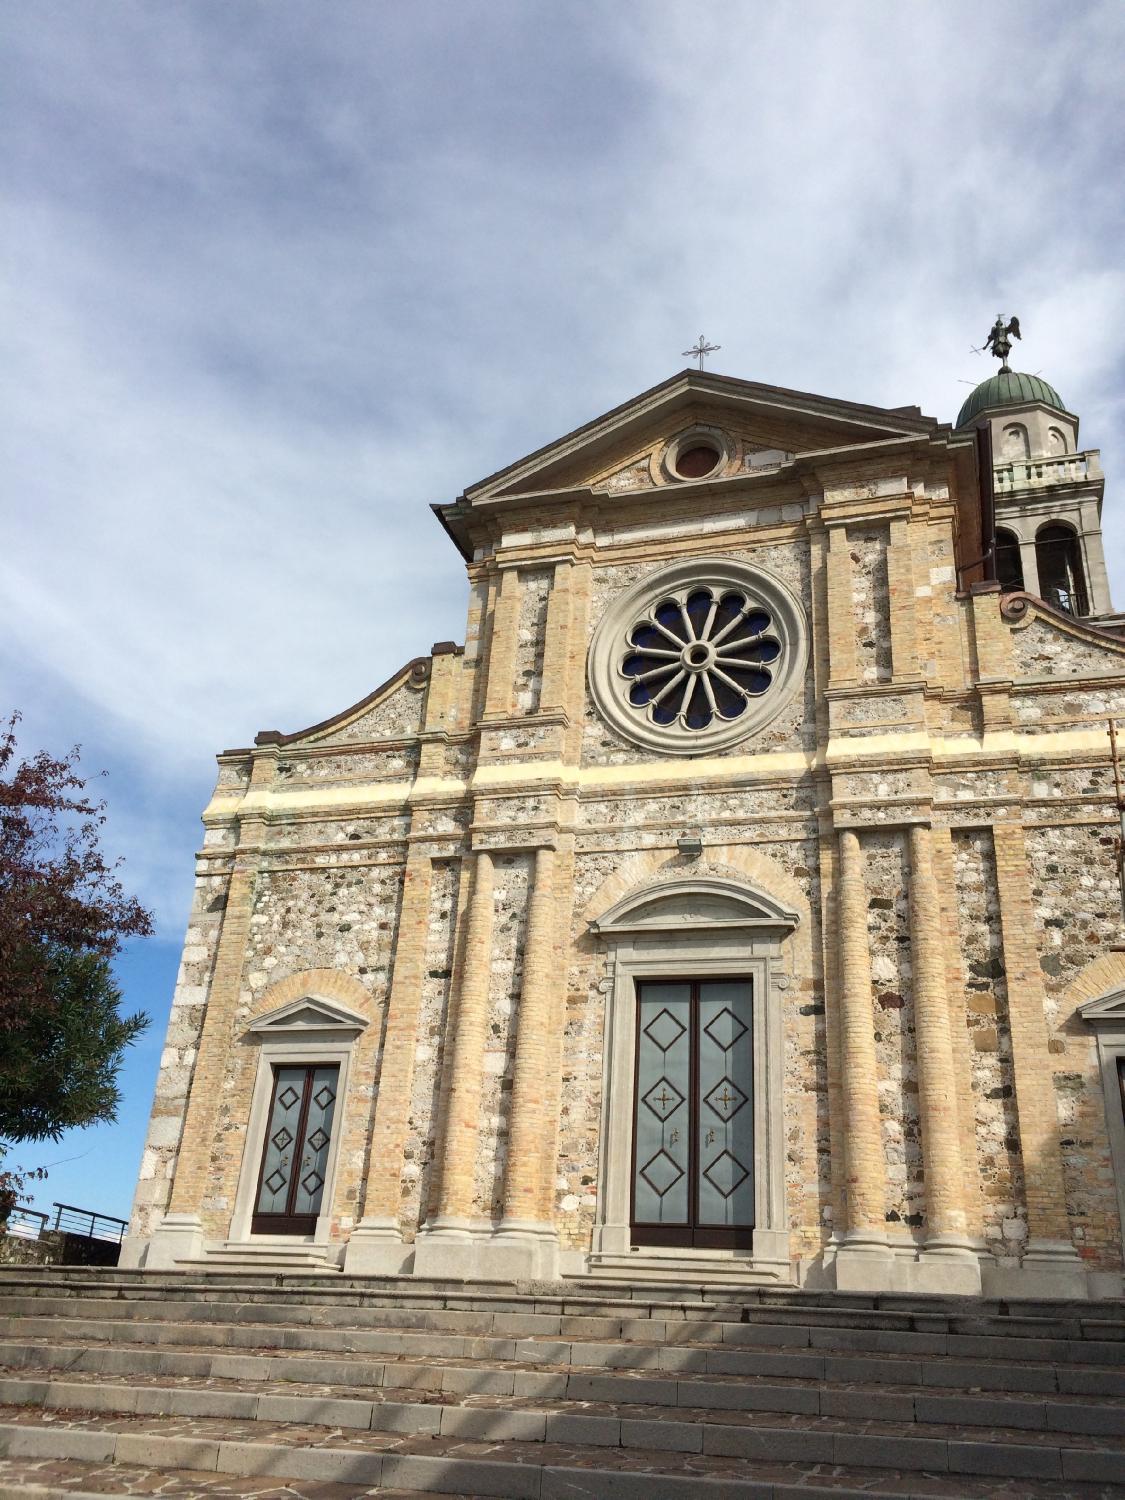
x: 698, y: 656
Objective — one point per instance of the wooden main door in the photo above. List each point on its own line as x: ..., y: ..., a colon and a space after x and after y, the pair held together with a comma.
x: 295, y: 1155
x: 693, y: 1114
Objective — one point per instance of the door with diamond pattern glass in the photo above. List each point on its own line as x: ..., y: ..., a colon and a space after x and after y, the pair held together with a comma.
x: 295, y: 1158
x: 693, y: 1116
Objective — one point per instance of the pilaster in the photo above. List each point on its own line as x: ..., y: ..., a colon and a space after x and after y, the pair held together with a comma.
x: 556, y: 644
x: 516, y: 1249
x: 442, y: 706
x: 499, y: 695
x: 903, y: 605
x: 946, y: 1235
x: 958, y: 1033
x: 831, y: 956
x: 843, y: 670
x: 862, y: 1256
x: 559, y: 975
x: 441, y: 1243
x: 992, y: 638
x: 376, y: 1241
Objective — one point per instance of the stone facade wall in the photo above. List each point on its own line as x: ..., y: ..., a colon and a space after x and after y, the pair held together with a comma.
x: 999, y: 1164
x: 1078, y: 916
x: 398, y: 763
x: 1041, y: 649
x: 867, y: 741
x: 1080, y: 706
x: 1077, y: 902
x: 587, y: 989
x: 871, y: 603
x: 337, y: 919
x: 437, y: 986
x: 888, y: 928
x: 510, y: 892
x: 394, y: 716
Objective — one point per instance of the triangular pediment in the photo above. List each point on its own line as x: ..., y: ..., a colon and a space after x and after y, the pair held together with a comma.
x: 1107, y: 1009
x: 766, y: 421
x: 308, y: 1014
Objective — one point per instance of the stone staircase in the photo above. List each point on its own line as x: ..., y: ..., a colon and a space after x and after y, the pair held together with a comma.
x: 267, y: 1259
x: 327, y: 1387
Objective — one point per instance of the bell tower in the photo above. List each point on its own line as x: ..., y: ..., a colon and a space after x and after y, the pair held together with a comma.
x: 1047, y: 492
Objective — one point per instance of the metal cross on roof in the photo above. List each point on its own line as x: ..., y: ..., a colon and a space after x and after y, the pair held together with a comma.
x: 701, y: 349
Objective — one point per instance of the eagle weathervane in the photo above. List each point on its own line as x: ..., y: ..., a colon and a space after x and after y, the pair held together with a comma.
x: 999, y: 340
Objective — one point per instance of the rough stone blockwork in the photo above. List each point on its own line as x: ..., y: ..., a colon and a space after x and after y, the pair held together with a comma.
x: 893, y: 998
x: 985, y: 1014
x: 871, y: 604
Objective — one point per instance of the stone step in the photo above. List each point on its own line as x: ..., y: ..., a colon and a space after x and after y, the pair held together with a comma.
x: 596, y: 1409
x: 578, y: 1339
x: 471, y: 1313
x: 627, y: 1300
x: 1090, y: 1412
x: 20, y: 1479
x: 404, y: 1352
x: 272, y: 1259
x: 68, y: 1480
x: 725, y: 1470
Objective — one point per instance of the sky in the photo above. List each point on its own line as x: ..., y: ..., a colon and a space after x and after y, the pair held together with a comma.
x: 277, y: 276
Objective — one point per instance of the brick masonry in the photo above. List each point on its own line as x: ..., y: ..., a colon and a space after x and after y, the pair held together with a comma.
x: 921, y: 706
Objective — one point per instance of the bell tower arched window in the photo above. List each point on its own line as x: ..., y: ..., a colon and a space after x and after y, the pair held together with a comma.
x: 1062, y: 581
x: 1009, y: 565
x: 1016, y: 444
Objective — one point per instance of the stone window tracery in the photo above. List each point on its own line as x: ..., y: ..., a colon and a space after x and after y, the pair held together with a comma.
x: 698, y: 656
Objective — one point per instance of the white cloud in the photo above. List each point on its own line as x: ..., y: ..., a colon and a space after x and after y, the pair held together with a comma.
x: 283, y: 275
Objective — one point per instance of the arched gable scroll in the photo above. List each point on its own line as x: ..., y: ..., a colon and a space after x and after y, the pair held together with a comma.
x: 683, y: 921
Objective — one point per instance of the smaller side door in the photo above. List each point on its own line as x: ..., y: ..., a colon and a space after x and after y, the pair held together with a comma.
x: 295, y: 1154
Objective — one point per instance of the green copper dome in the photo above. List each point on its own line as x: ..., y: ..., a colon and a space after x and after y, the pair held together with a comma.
x: 1008, y: 388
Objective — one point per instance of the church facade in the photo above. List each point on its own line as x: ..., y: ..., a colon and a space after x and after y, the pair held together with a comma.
x: 739, y: 902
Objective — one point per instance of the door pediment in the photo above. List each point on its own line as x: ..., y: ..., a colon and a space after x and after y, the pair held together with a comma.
x: 1106, y: 1010
x: 308, y: 1014
x: 700, y: 903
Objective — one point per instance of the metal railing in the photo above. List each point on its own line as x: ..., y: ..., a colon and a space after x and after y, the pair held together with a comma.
x: 24, y: 1222
x: 89, y: 1223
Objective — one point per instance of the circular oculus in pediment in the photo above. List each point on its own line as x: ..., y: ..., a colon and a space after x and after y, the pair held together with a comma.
x: 698, y: 656
x: 699, y: 453
x: 697, y: 461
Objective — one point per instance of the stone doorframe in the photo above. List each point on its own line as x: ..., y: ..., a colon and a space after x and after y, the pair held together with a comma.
x: 704, y: 926
x: 309, y: 1032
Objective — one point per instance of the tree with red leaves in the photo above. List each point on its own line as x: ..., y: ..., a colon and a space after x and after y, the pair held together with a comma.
x: 63, y: 917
